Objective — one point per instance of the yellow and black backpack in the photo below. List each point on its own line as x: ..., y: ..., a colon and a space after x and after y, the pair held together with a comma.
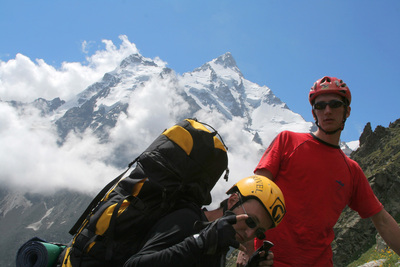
x: 180, y: 167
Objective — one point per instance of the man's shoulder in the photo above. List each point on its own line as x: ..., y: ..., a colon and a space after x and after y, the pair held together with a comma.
x: 352, y: 163
x: 182, y: 218
x: 295, y: 135
x: 188, y: 211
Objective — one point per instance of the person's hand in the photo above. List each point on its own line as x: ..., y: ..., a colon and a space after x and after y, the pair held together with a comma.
x: 262, y: 257
x: 244, y: 256
x: 242, y: 259
x: 218, y: 235
x: 269, y: 261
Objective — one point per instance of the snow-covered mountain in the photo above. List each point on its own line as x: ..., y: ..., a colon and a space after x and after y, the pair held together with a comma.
x: 216, y: 91
x: 143, y: 93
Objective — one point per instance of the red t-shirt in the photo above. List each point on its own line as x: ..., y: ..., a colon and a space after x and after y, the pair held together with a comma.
x: 317, y: 180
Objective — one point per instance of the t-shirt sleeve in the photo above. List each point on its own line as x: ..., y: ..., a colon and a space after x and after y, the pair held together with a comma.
x: 272, y: 156
x: 363, y: 199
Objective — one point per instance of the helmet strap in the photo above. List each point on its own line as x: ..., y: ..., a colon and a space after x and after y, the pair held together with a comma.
x: 225, y: 207
x: 237, y: 204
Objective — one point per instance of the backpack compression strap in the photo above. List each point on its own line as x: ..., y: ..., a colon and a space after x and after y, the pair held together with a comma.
x: 97, y: 199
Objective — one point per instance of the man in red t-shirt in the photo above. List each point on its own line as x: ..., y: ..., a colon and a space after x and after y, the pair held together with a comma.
x: 318, y: 180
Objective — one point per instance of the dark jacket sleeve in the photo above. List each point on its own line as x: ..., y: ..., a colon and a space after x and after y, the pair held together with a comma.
x: 185, y: 253
x: 170, y: 242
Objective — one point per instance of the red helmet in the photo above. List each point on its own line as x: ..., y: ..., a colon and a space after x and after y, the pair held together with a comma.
x: 329, y: 85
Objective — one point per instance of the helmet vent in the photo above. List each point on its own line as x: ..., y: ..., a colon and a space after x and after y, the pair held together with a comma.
x: 326, y: 79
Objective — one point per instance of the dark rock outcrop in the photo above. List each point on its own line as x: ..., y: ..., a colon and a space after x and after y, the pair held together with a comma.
x: 379, y: 157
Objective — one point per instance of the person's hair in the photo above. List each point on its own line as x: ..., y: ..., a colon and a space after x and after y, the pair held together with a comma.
x: 224, y: 203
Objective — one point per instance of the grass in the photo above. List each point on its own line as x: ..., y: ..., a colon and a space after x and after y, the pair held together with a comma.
x: 372, y: 255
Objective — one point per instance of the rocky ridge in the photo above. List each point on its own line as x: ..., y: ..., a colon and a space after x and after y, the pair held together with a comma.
x: 379, y: 157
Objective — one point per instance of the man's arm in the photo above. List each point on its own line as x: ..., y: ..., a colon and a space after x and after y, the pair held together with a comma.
x: 185, y: 253
x: 168, y: 240
x: 388, y: 229
x: 266, y: 173
x: 212, y: 242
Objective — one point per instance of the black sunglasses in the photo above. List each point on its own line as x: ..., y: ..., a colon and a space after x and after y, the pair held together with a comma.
x: 251, y: 223
x: 332, y: 104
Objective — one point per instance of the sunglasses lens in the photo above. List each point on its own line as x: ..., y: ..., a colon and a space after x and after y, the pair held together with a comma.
x: 335, y: 104
x: 251, y: 223
x: 320, y: 105
x: 332, y: 104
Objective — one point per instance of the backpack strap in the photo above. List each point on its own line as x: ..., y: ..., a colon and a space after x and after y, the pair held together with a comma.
x: 97, y: 199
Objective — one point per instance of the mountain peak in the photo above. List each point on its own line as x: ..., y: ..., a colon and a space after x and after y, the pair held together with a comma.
x: 137, y: 59
x: 226, y: 60
x: 224, y: 65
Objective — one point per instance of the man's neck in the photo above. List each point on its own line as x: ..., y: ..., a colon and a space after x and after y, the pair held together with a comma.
x: 332, y: 139
x: 212, y: 215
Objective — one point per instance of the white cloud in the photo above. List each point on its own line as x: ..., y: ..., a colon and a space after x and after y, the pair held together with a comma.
x: 32, y: 160
x: 30, y: 156
x: 22, y: 79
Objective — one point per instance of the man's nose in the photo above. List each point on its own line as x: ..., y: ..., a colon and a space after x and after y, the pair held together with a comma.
x: 328, y: 109
x: 251, y: 232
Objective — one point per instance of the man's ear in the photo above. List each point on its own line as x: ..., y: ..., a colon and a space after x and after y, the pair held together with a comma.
x: 232, y: 200
x: 348, y: 111
x: 313, y: 114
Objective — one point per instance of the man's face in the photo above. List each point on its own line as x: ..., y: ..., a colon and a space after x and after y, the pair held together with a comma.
x: 256, y: 211
x: 330, y: 118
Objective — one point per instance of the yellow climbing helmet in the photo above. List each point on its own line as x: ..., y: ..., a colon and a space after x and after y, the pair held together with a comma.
x: 266, y: 192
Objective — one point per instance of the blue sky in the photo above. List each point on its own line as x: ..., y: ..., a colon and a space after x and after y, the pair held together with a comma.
x: 285, y: 45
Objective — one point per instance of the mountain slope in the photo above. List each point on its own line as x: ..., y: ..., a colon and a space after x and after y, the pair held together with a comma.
x: 379, y: 157
x: 25, y: 215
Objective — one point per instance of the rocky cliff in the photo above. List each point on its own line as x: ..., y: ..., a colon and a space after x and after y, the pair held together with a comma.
x: 379, y: 157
